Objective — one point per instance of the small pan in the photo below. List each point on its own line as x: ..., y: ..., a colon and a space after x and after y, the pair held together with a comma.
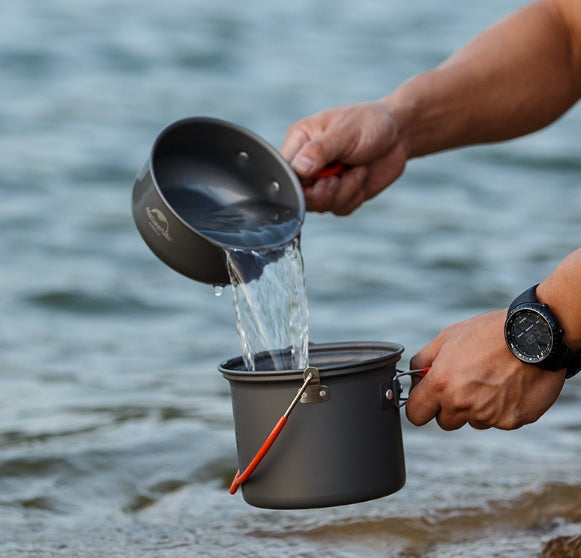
x: 209, y: 186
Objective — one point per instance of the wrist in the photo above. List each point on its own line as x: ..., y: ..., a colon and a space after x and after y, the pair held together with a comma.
x: 402, y: 112
x: 561, y: 292
x: 430, y: 112
x: 419, y: 106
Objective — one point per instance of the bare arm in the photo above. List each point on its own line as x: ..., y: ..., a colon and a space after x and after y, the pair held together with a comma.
x: 514, y: 78
x: 475, y: 379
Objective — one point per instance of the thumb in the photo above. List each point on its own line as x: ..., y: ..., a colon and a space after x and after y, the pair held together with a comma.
x: 308, y: 153
x: 311, y: 158
x: 426, y: 356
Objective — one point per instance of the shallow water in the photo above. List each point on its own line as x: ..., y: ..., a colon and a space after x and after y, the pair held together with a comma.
x: 116, y: 435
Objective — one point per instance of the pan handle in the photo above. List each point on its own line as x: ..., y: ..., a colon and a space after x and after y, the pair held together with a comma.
x: 418, y: 372
x: 334, y: 169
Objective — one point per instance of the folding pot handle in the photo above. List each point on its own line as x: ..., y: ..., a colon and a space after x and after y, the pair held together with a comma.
x: 418, y: 372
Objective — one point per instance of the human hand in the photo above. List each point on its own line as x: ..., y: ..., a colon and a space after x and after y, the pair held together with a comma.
x: 364, y: 137
x: 475, y: 379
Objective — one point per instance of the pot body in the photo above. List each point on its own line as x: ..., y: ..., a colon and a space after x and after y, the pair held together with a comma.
x: 342, y: 450
x: 231, y: 165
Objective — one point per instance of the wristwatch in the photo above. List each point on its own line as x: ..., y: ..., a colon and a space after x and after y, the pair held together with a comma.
x: 534, y: 336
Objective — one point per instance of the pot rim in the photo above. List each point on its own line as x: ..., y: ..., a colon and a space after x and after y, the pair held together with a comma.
x: 385, y: 353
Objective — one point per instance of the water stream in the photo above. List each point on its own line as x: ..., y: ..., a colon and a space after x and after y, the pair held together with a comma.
x: 271, y: 308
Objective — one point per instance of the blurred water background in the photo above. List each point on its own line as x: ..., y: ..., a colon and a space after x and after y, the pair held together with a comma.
x: 116, y: 434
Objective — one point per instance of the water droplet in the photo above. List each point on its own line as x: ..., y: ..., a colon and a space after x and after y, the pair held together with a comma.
x: 218, y: 290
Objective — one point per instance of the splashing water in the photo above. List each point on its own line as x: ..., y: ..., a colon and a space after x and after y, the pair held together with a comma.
x: 271, y: 304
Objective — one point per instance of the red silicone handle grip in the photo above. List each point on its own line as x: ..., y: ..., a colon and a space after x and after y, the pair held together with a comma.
x: 330, y: 170
x: 424, y: 371
x: 241, y: 478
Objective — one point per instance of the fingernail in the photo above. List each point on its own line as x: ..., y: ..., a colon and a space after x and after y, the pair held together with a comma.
x: 302, y: 164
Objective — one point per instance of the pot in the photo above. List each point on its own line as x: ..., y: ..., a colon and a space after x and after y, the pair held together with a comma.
x: 343, y: 443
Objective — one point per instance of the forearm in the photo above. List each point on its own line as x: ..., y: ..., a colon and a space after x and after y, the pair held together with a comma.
x: 514, y: 78
x: 562, y: 292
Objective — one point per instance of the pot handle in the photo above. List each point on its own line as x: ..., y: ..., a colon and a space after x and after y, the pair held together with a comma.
x: 309, y: 375
x: 419, y: 372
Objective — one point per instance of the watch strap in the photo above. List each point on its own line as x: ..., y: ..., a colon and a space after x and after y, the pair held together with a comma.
x: 574, y: 365
x: 528, y: 296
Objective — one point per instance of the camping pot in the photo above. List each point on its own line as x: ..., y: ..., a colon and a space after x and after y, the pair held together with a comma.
x: 203, y: 174
x: 342, y: 444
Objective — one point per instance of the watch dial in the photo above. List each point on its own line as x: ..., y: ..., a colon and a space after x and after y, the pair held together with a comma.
x: 531, y: 336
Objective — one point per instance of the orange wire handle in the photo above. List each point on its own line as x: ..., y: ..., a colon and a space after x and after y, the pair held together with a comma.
x: 242, y: 478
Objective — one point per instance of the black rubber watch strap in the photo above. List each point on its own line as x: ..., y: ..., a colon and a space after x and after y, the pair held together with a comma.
x: 574, y: 366
x: 530, y: 295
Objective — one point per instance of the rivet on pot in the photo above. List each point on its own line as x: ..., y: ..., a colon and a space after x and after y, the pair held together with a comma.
x: 389, y: 394
x: 243, y: 157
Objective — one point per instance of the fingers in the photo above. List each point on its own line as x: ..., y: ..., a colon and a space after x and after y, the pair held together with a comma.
x: 420, y: 408
x: 363, y: 136
x: 338, y: 194
x: 434, y: 397
x: 428, y: 398
x: 341, y: 195
x: 427, y: 401
x: 295, y: 139
x: 309, y: 146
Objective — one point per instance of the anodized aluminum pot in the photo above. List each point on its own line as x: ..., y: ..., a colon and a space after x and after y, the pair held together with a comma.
x: 339, y: 449
x: 231, y: 163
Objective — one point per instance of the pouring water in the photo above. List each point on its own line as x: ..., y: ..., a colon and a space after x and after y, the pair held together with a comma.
x: 266, y: 271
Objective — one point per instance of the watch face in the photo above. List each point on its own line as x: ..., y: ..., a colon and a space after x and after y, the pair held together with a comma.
x: 529, y: 336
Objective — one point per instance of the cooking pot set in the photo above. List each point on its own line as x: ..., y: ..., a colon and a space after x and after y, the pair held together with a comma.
x: 337, y: 436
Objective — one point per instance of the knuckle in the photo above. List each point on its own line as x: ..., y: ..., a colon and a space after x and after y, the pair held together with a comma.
x: 314, y: 149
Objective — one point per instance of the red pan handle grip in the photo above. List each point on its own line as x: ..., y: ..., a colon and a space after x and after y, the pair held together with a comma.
x: 330, y: 170
x: 424, y: 371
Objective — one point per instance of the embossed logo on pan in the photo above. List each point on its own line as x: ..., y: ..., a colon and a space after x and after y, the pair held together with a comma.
x: 158, y: 222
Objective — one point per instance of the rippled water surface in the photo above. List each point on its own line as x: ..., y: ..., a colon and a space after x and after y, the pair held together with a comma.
x: 116, y: 433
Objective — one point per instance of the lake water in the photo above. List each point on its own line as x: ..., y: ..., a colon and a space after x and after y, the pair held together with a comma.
x: 116, y: 434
